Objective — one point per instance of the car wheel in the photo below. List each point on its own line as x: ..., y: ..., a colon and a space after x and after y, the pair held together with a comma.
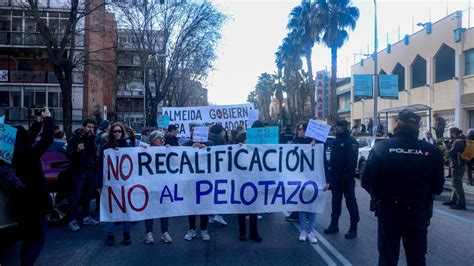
x: 60, y: 207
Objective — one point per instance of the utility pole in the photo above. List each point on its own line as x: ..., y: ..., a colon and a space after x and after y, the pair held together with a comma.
x: 376, y: 76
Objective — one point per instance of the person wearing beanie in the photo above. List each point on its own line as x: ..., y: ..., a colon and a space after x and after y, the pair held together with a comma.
x: 217, y: 135
x: 157, y: 139
x: 341, y: 178
x: 402, y: 174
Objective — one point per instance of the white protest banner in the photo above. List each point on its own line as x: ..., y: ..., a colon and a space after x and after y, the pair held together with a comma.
x: 177, y: 181
x: 253, y: 116
x: 201, y: 134
x: 229, y: 116
x: 317, y: 130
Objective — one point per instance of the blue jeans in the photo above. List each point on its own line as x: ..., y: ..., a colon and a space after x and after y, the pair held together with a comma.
x: 311, y: 217
x: 112, y: 227
x: 82, y: 186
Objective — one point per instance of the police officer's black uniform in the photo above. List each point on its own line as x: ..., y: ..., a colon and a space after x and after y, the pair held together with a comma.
x: 341, y: 180
x: 402, y: 174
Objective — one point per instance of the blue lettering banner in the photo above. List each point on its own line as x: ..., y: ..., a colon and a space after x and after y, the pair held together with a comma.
x: 154, y: 182
x: 7, y: 142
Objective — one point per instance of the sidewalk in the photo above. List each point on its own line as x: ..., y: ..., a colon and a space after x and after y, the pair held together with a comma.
x: 467, y: 188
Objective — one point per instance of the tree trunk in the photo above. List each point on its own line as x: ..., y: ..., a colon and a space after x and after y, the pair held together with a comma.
x: 332, y: 90
x: 312, y: 88
x: 64, y: 77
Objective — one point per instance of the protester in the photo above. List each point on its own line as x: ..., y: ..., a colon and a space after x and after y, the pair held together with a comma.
x: 58, y: 133
x: 171, y: 137
x: 81, y: 150
x: 403, y: 195
x: 116, y: 140
x: 470, y: 161
x: 101, y: 136
x: 157, y: 139
x: 370, y: 126
x: 32, y: 204
x: 307, y: 219
x: 458, y: 200
x: 429, y: 138
x: 231, y: 136
x: 440, y: 125
x: 130, y: 136
x: 355, y: 130
x: 217, y: 134
x: 363, y: 128
x: 342, y: 167
x: 204, y: 219
x: 253, y: 217
x: 287, y: 136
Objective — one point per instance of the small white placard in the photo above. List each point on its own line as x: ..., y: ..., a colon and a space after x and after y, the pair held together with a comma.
x: 318, y: 130
x: 200, y: 134
x: 253, y: 116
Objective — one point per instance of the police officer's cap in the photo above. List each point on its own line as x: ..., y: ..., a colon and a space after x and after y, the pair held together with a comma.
x: 409, y: 117
x: 342, y: 123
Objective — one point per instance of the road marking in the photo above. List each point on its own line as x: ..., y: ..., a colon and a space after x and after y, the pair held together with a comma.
x: 454, y: 216
x: 328, y: 246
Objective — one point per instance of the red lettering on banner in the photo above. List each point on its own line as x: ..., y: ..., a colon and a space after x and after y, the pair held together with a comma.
x: 111, y: 194
x: 110, y: 166
x: 127, y: 176
x: 130, y: 199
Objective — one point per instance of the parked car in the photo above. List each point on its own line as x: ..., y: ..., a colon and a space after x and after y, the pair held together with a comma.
x: 365, y: 146
x: 55, y: 165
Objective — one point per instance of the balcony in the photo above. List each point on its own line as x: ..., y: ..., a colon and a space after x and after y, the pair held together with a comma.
x: 28, y: 76
x: 19, y: 114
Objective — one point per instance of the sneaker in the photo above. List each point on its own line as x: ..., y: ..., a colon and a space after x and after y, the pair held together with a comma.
x: 220, y: 219
x: 73, y: 226
x: 89, y: 221
x: 302, y: 236
x: 458, y: 207
x: 312, y: 238
x: 165, y: 237
x: 205, y: 236
x: 190, y: 235
x: 110, y: 240
x: 149, y: 238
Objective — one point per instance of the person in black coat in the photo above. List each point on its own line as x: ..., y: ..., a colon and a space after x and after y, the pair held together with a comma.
x: 32, y: 204
x: 342, y: 165
x: 171, y: 137
x: 402, y: 174
x: 82, y: 151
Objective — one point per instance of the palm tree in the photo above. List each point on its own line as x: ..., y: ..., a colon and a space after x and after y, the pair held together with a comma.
x: 333, y: 17
x: 289, y: 63
x: 306, y: 34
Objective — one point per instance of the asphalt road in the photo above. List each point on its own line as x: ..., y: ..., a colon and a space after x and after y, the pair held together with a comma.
x: 450, y: 242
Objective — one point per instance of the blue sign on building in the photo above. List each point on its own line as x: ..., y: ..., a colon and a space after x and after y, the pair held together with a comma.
x: 363, y: 86
x: 388, y: 87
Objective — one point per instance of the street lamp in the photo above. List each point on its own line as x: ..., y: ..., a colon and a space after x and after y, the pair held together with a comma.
x: 376, y: 77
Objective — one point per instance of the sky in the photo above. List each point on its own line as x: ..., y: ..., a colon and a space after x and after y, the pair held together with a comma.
x: 255, y: 29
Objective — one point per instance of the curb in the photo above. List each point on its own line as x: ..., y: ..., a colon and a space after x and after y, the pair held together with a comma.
x: 467, y: 189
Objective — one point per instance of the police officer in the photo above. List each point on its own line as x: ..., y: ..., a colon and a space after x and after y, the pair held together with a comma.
x: 341, y: 176
x: 402, y: 174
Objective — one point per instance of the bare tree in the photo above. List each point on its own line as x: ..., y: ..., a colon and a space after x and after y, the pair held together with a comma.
x: 60, y: 42
x: 168, y: 36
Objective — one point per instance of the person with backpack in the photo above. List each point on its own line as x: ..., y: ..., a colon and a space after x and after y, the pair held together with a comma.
x: 458, y: 200
x: 468, y: 155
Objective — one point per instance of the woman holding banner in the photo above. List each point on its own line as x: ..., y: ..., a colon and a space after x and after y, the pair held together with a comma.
x: 157, y: 138
x: 192, y: 218
x: 253, y: 217
x: 115, y: 140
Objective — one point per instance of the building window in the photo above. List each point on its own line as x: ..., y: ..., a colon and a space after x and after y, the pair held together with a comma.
x: 15, y: 98
x: 382, y: 72
x: 444, y: 64
x: 53, y: 99
x: 469, y: 62
x: 400, y: 71
x: 28, y: 99
x: 418, y: 72
x: 40, y: 98
x: 4, y: 96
